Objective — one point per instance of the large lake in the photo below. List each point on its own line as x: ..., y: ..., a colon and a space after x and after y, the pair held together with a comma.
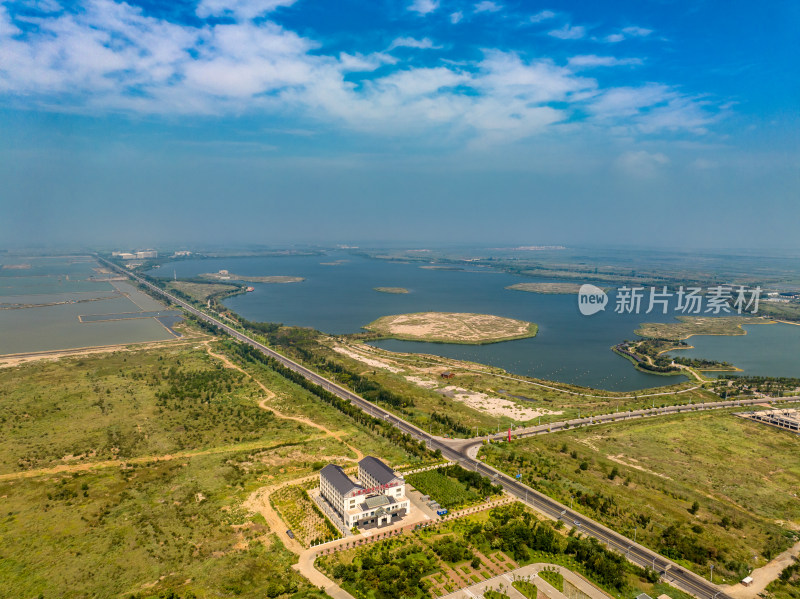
x: 339, y: 298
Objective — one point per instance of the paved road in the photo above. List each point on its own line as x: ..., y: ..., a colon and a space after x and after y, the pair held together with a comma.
x: 678, y: 576
x: 464, y: 445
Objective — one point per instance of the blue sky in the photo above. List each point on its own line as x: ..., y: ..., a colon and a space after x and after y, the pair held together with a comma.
x: 650, y: 122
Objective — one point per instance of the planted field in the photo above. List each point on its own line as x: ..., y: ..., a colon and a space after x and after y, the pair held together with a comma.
x: 698, y: 488
x: 449, y: 492
x: 303, y: 516
x: 452, y: 486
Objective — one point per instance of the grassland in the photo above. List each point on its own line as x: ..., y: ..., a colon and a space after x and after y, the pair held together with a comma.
x: 699, y: 488
x: 215, y: 276
x: 395, y: 290
x: 697, y: 325
x: 547, y: 288
x: 124, y: 474
x: 140, y: 531
x: 417, y: 379
x: 452, y: 327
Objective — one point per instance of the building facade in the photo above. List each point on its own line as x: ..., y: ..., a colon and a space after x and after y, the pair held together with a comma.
x: 376, y: 499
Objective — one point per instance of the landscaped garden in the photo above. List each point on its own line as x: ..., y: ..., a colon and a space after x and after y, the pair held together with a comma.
x: 302, y: 516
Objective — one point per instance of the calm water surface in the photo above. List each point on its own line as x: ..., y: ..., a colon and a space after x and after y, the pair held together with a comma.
x: 569, y: 347
x: 340, y: 299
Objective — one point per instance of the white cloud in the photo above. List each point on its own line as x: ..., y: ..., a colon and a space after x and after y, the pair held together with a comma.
x: 592, y: 60
x: 568, y: 32
x: 641, y: 163
x: 540, y: 81
x: 456, y: 17
x: 109, y: 56
x: 629, y: 101
x: 627, y: 32
x: 637, y: 31
x: 423, y: 7
x: 543, y: 15
x: 417, y: 82
x: 487, y: 6
x: 410, y: 42
x: 363, y: 63
x: 245, y: 9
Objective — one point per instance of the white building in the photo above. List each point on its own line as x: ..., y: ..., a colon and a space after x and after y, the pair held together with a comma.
x: 376, y: 499
x: 143, y: 254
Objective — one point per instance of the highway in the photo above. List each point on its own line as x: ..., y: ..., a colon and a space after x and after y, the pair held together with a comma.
x: 457, y: 451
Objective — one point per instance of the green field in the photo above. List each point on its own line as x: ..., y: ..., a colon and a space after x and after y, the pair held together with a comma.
x: 453, y: 487
x: 140, y: 531
x: 122, y: 474
x: 699, y: 488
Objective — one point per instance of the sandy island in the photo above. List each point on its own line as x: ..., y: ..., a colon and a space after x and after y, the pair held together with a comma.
x: 396, y: 290
x: 452, y: 327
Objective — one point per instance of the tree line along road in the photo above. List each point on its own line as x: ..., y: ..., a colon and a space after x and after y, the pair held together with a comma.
x: 456, y: 451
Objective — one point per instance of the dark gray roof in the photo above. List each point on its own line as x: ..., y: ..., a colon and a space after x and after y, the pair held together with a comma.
x: 377, y: 470
x: 340, y: 481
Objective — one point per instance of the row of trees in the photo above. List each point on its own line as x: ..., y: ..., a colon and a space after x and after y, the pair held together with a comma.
x: 385, y: 429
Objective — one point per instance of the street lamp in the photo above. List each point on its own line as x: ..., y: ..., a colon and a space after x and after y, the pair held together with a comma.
x: 711, y: 576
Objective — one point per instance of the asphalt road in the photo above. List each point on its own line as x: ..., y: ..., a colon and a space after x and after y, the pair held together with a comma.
x: 673, y: 573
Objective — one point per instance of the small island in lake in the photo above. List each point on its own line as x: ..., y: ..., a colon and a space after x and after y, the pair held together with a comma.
x: 698, y: 325
x: 396, y: 290
x: 452, y: 327
x: 546, y: 288
x: 224, y: 275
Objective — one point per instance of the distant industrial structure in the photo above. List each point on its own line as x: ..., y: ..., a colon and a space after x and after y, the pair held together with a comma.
x: 137, y: 255
x: 376, y: 499
x: 787, y: 419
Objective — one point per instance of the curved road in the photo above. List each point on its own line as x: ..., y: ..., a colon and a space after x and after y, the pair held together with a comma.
x: 456, y: 451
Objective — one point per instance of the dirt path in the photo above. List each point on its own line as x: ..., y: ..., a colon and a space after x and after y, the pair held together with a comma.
x: 270, y: 395
x: 764, y: 575
x: 11, y: 360
x: 84, y: 467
